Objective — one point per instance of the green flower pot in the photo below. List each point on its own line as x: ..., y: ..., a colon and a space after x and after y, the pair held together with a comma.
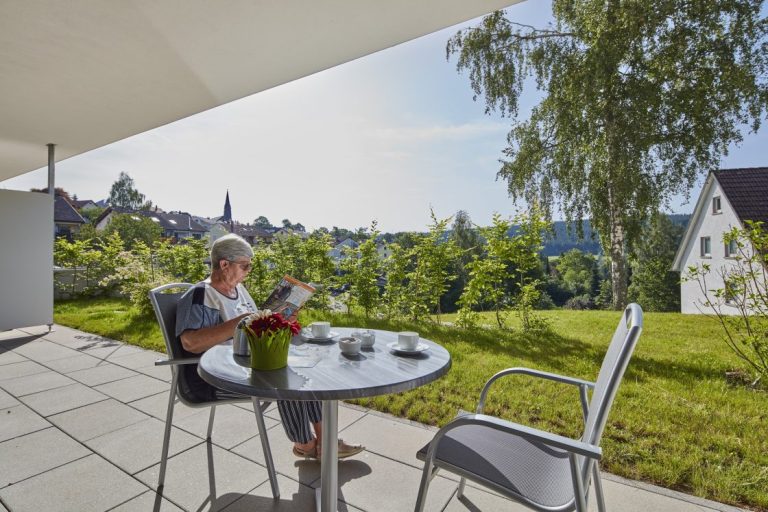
x: 270, y: 351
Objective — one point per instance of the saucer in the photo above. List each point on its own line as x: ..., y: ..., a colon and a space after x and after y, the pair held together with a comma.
x: 421, y: 347
x: 306, y: 335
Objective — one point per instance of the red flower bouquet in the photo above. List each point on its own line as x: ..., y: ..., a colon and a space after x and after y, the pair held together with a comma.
x: 269, y: 337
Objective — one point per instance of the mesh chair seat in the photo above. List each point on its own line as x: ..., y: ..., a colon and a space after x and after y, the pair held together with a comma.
x: 530, y: 470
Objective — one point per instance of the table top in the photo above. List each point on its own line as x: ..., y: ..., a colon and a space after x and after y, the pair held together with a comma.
x: 319, y: 371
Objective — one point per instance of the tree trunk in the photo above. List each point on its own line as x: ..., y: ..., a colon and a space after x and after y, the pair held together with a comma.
x: 618, y: 264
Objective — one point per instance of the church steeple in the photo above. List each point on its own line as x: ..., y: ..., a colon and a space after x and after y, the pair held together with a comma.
x: 227, y: 217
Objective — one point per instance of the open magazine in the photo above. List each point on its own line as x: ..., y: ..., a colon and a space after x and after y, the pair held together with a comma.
x: 288, y: 296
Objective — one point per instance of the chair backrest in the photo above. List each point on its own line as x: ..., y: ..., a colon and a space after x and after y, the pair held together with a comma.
x: 611, y: 372
x: 164, y: 305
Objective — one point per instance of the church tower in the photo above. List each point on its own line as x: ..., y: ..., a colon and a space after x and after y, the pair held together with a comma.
x: 227, y: 217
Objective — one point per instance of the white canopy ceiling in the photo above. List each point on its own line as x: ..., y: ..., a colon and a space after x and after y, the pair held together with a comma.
x: 85, y: 73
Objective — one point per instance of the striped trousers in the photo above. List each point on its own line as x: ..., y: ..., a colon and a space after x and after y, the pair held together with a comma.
x: 298, y: 418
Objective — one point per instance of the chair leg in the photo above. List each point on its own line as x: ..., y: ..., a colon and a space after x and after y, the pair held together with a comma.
x: 460, y: 490
x: 426, y: 478
x: 167, y: 433
x: 210, y: 423
x: 257, y: 409
x: 598, y: 488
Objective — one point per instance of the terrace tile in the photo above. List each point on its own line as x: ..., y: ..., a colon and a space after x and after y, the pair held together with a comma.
x: 294, y: 497
x: 150, y: 500
x: 305, y: 471
x: 231, y: 425
x: 393, y: 438
x: 133, y: 388
x: 90, y: 484
x: 157, y: 405
x: 21, y: 369
x: 10, y: 357
x: 101, y: 374
x: 18, y: 421
x: 62, y: 399
x: 7, y: 400
x: 21, y: 386
x: 138, y: 446
x: 110, y: 415
x: 74, y: 363
x: 35, y: 453
x: 187, y: 483
x: 368, y: 479
x: 42, y: 350
x: 136, y: 360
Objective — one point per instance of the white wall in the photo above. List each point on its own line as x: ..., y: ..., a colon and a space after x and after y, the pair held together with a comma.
x: 714, y: 226
x: 26, y: 259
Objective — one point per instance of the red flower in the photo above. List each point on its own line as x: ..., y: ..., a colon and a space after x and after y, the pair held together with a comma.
x: 260, y: 324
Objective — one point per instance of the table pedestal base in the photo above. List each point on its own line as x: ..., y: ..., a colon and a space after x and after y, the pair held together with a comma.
x: 327, y: 494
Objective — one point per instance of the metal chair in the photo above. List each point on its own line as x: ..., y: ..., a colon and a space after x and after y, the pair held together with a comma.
x: 541, y: 470
x: 164, y: 304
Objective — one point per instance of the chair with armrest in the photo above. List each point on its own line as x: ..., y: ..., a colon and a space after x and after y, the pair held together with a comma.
x: 538, y: 469
x: 164, y: 303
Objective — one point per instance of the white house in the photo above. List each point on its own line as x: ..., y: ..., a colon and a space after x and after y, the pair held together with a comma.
x: 729, y: 197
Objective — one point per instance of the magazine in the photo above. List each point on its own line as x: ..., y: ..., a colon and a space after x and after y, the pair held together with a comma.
x: 288, y: 297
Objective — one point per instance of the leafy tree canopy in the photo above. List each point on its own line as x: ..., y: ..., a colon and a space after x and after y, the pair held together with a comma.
x: 639, y: 98
x: 262, y: 222
x: 123, y: 194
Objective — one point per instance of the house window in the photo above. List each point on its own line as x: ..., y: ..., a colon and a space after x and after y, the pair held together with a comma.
x: 731, y: 249
x: 716, y: 205
x: 706, y: 247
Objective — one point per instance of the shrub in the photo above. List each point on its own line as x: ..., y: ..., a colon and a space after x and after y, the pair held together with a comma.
x: 580, y: 302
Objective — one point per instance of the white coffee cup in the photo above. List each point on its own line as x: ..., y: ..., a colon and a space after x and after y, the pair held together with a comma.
x: 320, y: 329
x: 349, y: 346
x: 408, y: 340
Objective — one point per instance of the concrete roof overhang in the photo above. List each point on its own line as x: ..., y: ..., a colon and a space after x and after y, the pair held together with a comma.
x: 85, y: 73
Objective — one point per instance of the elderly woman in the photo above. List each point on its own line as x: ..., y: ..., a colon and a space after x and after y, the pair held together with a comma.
x: 207, y: 315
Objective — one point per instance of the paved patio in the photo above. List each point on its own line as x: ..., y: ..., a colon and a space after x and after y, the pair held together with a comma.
x: 81, y: 421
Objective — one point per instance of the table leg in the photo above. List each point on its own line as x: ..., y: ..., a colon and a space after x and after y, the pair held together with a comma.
x: 329, y: 463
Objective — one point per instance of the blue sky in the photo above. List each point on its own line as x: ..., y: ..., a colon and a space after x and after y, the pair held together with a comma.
x: 382, y: 138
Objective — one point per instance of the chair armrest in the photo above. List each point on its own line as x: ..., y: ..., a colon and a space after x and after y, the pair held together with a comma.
x: 573, y: 446
x: 582, y: 384
x: 177, y: 362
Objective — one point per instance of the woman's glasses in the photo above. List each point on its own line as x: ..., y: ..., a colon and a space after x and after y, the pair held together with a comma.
x: 245, y: 265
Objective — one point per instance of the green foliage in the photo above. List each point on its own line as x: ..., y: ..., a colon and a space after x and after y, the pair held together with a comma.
x: 639, y: 98
x: 430, y: 276
x: 361, y: 268
x: 137, y: 272
x: 306, y: 259
x: 123, y: 194
x: 396, y: 297
x: 184, y: 262
x: 262, y: 222
x: 488, y: 275
x: 739, y: 298
x: 654, y: 286
x: 577, y: 271
x: 134, y: 228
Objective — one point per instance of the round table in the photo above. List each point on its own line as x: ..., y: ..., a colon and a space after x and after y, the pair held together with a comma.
x: 319, y: 371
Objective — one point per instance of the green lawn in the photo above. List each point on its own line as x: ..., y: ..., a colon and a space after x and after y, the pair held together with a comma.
x: 675, y: 422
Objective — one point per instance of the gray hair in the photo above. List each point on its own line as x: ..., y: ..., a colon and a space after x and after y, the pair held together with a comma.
x: 229, y: 247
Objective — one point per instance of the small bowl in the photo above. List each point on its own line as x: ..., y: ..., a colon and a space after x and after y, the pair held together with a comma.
x: 349, y: 346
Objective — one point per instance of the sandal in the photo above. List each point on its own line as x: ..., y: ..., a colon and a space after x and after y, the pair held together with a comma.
x: 345, y: 450
x: 306, y: 454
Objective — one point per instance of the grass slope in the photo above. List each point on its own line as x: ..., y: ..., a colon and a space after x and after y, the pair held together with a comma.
x: 675, y: 421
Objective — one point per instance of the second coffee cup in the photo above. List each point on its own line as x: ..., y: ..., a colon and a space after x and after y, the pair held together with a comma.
x: 320, y: 329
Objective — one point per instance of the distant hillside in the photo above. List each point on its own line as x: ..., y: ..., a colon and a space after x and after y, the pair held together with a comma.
x: 565, y: 239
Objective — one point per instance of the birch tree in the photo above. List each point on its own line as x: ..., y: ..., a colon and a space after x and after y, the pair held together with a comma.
x: 639, y: 99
